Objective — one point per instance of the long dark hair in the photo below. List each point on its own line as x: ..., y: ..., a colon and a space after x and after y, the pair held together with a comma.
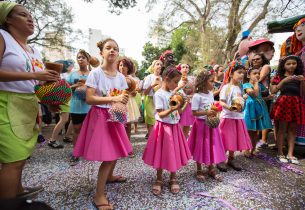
x: 263, y: 57
x: 298, y: 71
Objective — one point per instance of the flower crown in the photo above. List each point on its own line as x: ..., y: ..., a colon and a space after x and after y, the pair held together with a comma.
x: 231, y: 66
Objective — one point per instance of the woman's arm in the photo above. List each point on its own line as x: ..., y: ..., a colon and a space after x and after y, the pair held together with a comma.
x: 265, y: 71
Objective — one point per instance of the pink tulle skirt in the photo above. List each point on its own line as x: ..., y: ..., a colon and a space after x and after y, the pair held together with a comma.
x: 187, y: 118
x: 166, y: 147
x: 100, y: 140
x: 205, y: 144
x: 234, y: 134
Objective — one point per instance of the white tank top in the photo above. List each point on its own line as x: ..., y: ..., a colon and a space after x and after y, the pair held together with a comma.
x: 16, y: 59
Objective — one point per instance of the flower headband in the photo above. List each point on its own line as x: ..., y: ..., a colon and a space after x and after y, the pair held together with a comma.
x: 231, y: 66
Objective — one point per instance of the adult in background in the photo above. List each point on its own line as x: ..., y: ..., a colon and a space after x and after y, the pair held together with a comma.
x: 78, y: 106
x: 20, y: 68
x: 64, y: 114
x: 151, y: 84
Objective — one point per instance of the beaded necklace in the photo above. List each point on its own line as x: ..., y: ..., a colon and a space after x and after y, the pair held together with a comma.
x: 26, y: 52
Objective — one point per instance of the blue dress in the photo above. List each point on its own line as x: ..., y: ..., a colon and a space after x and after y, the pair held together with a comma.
x: 256, y: 114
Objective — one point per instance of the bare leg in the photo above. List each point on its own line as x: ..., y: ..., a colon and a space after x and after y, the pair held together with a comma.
x: 149, y: 128
x: 128, y: 130
x: 159, y: 174
x: 69, y: 132
x: 103, y: 174
x: 186, y: 130
x: 174, y: 186
x: 282, y: 127
x: 291, y: 138
x: 265, y: 135
x: 254, y: 137
x: 199, y: 167
x: 63, y: 119
x: 135, y: 127
x: 76, y: 130
x: 10, y: 179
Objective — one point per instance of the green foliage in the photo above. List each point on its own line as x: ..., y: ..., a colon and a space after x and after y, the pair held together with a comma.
x: 115, y: 6
x: 52, y: 20
x: 150, y: 53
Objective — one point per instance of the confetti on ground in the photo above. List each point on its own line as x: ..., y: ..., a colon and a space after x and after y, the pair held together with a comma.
x: 262, y: 184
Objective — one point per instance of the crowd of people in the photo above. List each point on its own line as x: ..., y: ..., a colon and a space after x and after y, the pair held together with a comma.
x: 207, y: 116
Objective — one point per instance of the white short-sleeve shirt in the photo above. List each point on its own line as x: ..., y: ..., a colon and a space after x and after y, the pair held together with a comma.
x: 161, y: 101
x: 202, y: 102
x: 148, y: 81
x: 106, y: 85
x: 16, y: 59
x: 228, y: 93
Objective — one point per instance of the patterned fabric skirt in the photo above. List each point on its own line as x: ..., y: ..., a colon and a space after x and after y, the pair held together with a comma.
x: 289, y: 109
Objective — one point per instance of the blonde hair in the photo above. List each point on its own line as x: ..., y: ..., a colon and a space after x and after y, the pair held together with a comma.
x: 151, y: 67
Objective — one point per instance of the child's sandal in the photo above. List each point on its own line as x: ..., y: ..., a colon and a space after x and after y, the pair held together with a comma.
x: 216, y: 175
x: 106, y: 206
x: 157, y: 187
x: 293, y: 160
x: 200, y: 176
x: 174, y: 186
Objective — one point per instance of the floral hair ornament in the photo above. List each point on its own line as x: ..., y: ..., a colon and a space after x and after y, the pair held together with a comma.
x: 164, y: 54
x: 178, y: 67
x: 231, y: 66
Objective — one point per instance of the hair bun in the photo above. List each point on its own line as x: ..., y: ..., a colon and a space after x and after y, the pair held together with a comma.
x: 94, y: 62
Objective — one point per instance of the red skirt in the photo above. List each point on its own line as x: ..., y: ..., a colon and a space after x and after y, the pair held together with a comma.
x: 289, y: 109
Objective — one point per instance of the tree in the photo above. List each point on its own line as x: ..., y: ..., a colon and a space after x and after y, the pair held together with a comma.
x: 184, y: 44
x: 116, y: 6
x: 220, y: 21
x: 150, y: 53
x: 52, y: 20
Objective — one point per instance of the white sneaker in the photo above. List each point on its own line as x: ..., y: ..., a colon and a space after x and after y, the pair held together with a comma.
x: 293, y: 160
x: 282, y: 159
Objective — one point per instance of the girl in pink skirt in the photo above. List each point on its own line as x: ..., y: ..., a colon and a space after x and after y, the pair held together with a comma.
x: 186, y: 87
x: 232, y: 126
x: 100, y: 139
x: 205, y: 143
x: 166, y: 147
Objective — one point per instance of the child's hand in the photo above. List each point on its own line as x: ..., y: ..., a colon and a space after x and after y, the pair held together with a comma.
x: 245, y: 96
x: 121, y: 98
x: 289, y: 78
x: 299, y: 78
x: 176, y: 107
x: 211, y: 113
x: 154, y: 84
x: 133, y: 93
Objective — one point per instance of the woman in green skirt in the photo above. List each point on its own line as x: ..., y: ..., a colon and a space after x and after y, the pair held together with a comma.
x: 20, y: 68
x: 151, y: 84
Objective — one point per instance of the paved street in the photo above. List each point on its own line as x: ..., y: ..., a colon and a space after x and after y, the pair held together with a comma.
x: 263, y: 184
